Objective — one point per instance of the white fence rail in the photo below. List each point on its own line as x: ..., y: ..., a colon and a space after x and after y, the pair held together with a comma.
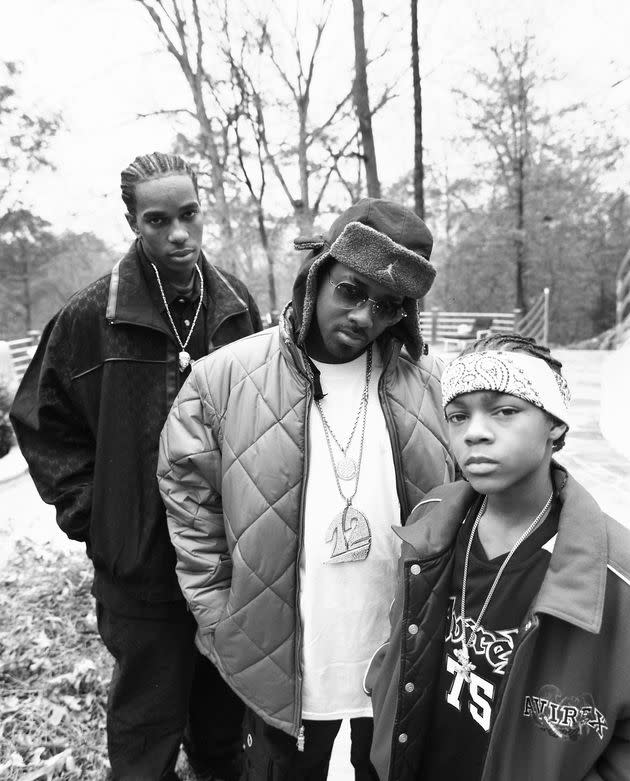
x: 21, y: 351
x: 448, y: 326
x: 459, y: 327
x: 536, y: 321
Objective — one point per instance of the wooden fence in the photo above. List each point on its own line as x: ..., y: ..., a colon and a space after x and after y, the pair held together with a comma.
x: 536, y: 322
x: 456, y: 328
x: 22, y: 351
x: 446, y: 327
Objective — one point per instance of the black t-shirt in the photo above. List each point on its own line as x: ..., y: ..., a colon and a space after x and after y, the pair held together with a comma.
x: 463, y: 712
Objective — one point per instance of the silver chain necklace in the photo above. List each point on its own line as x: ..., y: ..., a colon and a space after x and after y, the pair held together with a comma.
x: 349, y: 529
x: 184, y: 356
x: 464, y: 665
x: 346, y: 467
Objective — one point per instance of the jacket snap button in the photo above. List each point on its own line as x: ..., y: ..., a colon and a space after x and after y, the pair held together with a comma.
x: 249, y: 740
x: 402, y: 738
x: 413, y: 629
x: 415, y: 569
x: 409, y: 687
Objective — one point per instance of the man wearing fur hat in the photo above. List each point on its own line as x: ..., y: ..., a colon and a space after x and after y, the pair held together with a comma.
x: 284, y: 462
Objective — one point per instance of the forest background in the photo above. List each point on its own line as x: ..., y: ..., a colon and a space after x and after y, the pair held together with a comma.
x: 513, y: 148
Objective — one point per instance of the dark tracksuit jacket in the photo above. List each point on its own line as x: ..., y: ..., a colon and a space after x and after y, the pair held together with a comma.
x: 89, y: 412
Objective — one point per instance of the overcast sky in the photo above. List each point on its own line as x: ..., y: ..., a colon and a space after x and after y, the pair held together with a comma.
x: 99, y: 63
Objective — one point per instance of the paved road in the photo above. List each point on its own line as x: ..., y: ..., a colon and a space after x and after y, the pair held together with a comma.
x: 590, y: 458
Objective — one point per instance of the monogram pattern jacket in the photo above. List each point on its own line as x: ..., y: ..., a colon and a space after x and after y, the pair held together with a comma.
x: 89, y: 412
x: 563, y: 711
x: 232, y: 469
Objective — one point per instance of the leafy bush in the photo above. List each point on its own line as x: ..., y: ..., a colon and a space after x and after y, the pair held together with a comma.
x: 6, y: 430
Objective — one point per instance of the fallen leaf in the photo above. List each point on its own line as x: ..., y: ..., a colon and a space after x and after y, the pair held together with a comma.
x: 50, y: 766
x: 74, y: 703
x: 57, y: 714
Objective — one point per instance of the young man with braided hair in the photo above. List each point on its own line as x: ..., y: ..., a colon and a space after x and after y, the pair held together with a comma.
x: 88, y: 416
x: 508, y: 655
x: 283, y: 464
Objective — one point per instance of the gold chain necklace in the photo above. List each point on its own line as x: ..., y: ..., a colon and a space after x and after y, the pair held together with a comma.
x: 464, y: 665
x: 346, y: 467
x: 349, y: 529
x: 184, y: 356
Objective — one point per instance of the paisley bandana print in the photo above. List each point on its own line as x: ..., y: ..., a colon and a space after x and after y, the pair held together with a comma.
x: 510, y: 372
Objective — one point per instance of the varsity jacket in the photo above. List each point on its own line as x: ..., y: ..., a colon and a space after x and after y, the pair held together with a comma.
x: 232, y: 470
x: 563, y: 710
x: 89, y: 412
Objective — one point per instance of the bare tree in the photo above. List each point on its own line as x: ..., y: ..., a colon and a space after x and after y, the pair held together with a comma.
x: 298, y: 79
x: 503, y: 111
x: 361, y: 98
x: 250, y: 114
x: 418, y: 162
x: 251, y: 78
x: 183, y: 36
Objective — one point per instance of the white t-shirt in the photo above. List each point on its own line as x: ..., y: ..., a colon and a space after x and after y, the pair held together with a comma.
x: 344, y: 604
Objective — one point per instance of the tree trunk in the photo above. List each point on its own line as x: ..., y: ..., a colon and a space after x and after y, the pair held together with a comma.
x: 302, y: 207
x: 271, y: 281
x: 362, y: 102
x: 217, y: 168
x: 418, y: 163
x: 520, y: 233
x: 26, y: 289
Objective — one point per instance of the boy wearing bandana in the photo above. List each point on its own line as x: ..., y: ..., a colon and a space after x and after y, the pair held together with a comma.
x: 284, y: 463
x: 509, y: 647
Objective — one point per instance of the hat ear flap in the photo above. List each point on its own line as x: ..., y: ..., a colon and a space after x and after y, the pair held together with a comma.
x: 310, y: 296
x: 407, y: 330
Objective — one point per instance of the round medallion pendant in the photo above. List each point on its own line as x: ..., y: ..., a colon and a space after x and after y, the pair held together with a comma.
x: 346, y: 468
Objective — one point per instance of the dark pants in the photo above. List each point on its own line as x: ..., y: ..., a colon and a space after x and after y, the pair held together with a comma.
x: 272, y: 755
x: 164, y: 691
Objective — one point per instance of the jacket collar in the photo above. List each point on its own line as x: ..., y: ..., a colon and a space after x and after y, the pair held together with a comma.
x: 130, y: 299
x: 574, y: 585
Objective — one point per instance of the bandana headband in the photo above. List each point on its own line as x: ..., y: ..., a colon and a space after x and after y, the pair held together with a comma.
x: 516, y: 373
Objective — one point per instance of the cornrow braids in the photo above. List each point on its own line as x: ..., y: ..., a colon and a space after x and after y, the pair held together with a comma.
x: 517, y: 343
x: 152, y: 166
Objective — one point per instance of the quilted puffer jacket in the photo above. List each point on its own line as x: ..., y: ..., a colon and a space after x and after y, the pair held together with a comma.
x: 232, y: 467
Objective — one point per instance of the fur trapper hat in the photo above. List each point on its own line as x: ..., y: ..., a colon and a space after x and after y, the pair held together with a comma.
x: 385, y: 242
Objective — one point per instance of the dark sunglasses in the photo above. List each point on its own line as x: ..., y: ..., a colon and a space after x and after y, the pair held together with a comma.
x: 350, y: 296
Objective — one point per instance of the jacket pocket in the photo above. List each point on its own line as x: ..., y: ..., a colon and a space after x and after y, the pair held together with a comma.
x: 371, y: 671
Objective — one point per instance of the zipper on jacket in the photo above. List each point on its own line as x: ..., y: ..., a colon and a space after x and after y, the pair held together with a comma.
x: 396, y: 455
x: 301, y: 739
